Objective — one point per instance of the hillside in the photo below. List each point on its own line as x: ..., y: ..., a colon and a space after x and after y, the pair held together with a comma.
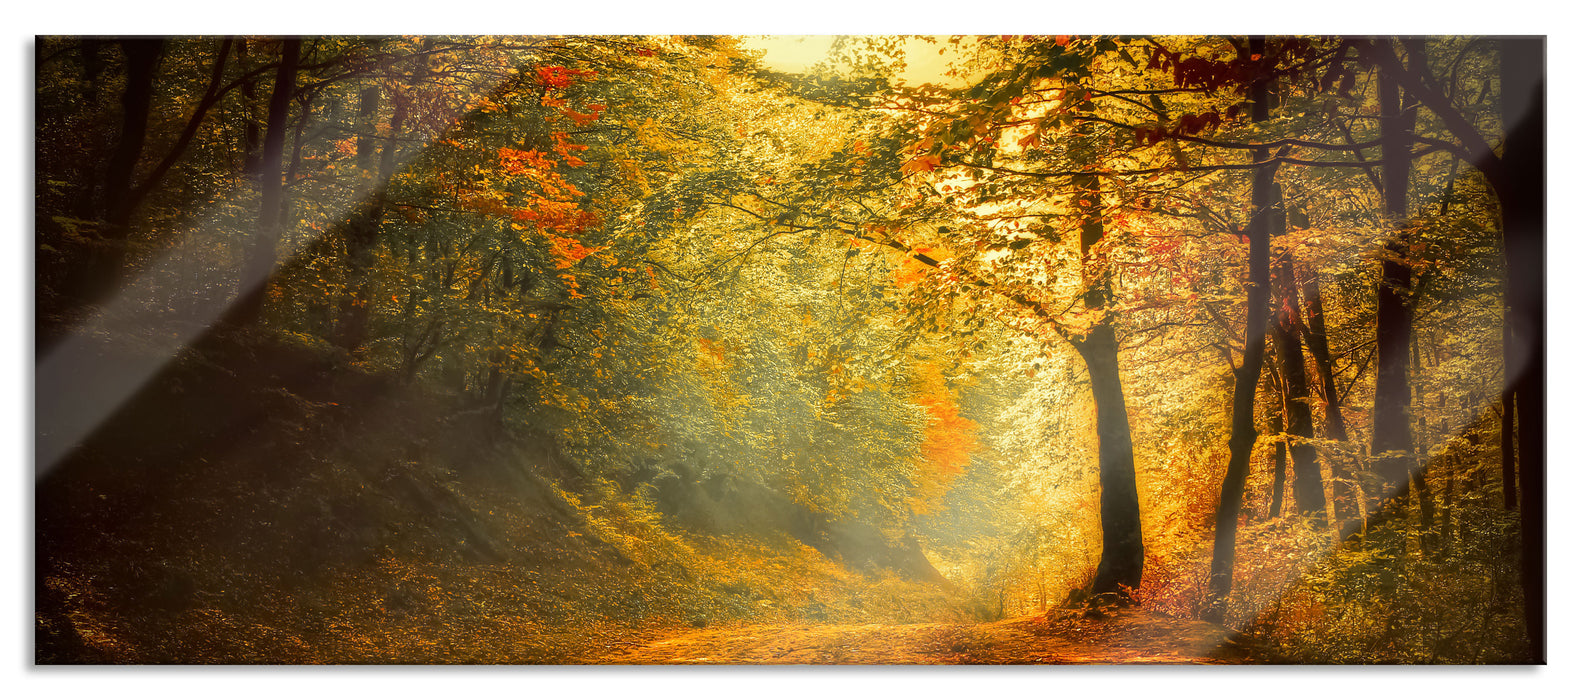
x: 257, y: 503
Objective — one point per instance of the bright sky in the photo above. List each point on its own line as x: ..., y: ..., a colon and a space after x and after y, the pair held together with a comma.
x: 795, y: 54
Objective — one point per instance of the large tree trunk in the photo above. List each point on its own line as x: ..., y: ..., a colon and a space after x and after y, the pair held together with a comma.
x: 1121, y: 564
x: 259, y: 262
x: 142, y: 58
x: 1308, y: 488
x: 1523, y: 98
x: 1243, y: 434
x: 1392, y: 431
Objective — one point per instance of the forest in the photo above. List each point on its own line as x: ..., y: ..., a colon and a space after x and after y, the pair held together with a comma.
x: 799, y: 350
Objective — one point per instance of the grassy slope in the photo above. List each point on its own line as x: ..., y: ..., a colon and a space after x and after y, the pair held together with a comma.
x: 256, y: 504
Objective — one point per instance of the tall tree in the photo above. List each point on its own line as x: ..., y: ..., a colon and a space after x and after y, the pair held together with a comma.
x: 1308, y: 488
x: 251, y: 138
x: 1121, y: 564
x: 102, y: 275
x: 1347, y: 495
x: 362, y: 232
x: 1517, y: 177
x: 142, y: 59
x: 1276, y: 427
x: 212, y: 94
x: 1243, y: 433
x: 259, y: 262
x: 1392, y: 436
x: 969, y: 122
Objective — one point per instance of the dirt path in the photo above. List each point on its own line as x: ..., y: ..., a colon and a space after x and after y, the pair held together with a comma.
x: 1130, y: 637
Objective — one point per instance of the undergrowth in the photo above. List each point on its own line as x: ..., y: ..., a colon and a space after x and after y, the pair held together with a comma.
x: 331, y: 526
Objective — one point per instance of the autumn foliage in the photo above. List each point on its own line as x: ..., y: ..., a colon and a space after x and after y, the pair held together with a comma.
x: 559, y: 349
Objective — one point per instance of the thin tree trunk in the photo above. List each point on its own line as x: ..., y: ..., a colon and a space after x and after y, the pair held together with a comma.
x: 362, y: 233
x: 1451, y: 463
x: 1278, y: 501
x: 367, y: 117
x: 92, y: 69
x: 1308, y: 488
x: 1425, y: 493
x: 293, y: 170
x: 1347, y: 494
x: 251, y: 138
x: 1447, y: 517
x: 1243, y: 433
x: 259, y: 263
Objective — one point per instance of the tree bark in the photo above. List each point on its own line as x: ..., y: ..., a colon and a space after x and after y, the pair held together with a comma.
x: 1308, y: 489
x: 1347, y: 496
x: 251, y: 138
x: 102, y: 274
x: 1121, y: 563
x: 1278, y: 501
x: 85, y: 203
x: 1316, y: 333
x: 211, y: 96
x: 1120, y: 566
x: 1243, y: 434
x: 1420, y: 483
x: 259, y: 262
x: 367, y: 117
x: 142, y: 58
x: 362, y: 232
x: 1517, y: 177
x: 92, y: 68
x: 1392, y: 432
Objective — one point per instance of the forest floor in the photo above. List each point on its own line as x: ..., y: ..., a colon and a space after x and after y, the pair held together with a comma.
x: 1127, y: 637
